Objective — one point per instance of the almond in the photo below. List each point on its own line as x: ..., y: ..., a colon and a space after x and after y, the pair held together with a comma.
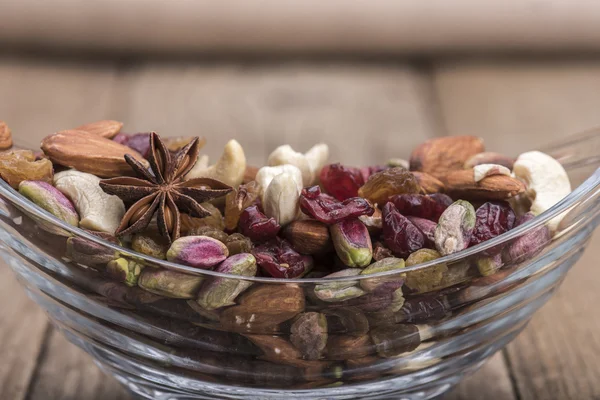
x: 441, y: 155
x: 89, y: 153
x: 308, y: 237
x: 429, y: 183
x: 5, y: 136
x: 104, y: 128
x: 489, y: 157
x: 461, y: 184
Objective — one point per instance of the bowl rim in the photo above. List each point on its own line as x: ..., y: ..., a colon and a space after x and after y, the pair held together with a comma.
x: 591, y: 184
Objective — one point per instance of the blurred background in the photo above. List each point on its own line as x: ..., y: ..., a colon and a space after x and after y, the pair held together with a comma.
x: 371, y: 79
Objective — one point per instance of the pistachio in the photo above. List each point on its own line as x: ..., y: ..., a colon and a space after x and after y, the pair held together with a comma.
x: 237, y: 243
x: 348, y: 320
x: 124, y: 270
x: 352, y: 243
x: 309, y: 334
x: 374, y: 223
x: 229, y: 169
x: 89, y: 153
x: 280, y: 200
x: 197, y: 251
x: 151, y: 243
x: 221, y: 292
x: 97, y: 210
x: 455, y: 227
x: 265, y: 175
x: 393, y: 340
x: 386, y: 264
x: 308, y: 237
x: 50, y: 199
x: 489, y: 265
x: 339, y: 291
x: 169, y: 283
x: 428, y: 279
x: 88, y: 252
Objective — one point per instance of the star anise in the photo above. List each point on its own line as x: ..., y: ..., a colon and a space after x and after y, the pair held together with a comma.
x: 161, y: 189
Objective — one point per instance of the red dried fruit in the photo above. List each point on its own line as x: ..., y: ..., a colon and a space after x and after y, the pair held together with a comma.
x: 278, y: 259
x: 341, y: 182
x: 399, y: 234
x: 492, y: 219
x: 328, y: 210
x: 427, y: 228
x: 421, y: 205
x: 139, y: 142
x: 257, y: 226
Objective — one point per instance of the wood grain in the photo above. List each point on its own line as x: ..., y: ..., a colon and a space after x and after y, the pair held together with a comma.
x: 491, y: 381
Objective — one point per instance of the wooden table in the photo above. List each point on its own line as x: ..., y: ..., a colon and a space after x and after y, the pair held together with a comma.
x: 381, y: 110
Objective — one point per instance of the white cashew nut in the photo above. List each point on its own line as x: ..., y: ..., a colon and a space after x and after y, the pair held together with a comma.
x: 229, y: 169
x: 265, y: 175
x: 309, y: 164
x: 281, y: 198
x: 546, y: 179
x: 483, y: 170
x: 98, y: 211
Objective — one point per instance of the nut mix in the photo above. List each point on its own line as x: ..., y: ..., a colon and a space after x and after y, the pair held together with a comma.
x: 295, y: 217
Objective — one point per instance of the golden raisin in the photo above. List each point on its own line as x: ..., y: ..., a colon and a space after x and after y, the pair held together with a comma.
x: 20, y: 165
x: 380, y: 186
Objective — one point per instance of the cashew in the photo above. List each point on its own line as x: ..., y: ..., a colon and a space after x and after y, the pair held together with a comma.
x: 546, y: 179
x: 265, y: 175
x: 281, y: 199
x: 98, y: 211
x: 309, y: 164
x: 229, y: 169
x: 483, y: 170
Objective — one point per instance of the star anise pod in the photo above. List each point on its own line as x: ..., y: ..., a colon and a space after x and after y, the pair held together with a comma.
x: 161, y: 189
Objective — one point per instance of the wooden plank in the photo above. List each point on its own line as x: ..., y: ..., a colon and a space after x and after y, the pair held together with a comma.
x: 67, y: 373
x: 491, y: 381
x: 367, y: 113
x: 518, y: 105
x: 37, y: 99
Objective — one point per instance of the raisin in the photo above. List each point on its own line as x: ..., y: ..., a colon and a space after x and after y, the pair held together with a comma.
x: 257, y: 226
x: 492, y: 219
x: 399, y: 234
x: 341, y: 182
x: 366, y: 172
x: 278, y: 259
x: 20, y: 165
x: 380, y: 251
x: 421, y: 205
x: 382, y: 185
x: 328, y: 210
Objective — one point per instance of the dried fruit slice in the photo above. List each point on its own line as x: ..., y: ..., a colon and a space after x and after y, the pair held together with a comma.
x: 382, y: 185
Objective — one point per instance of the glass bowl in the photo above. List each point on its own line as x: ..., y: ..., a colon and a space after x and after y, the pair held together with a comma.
x: 287, y: 338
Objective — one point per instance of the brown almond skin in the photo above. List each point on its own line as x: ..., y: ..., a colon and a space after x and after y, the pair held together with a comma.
x: 461, y: 184
x: 429, y: 183
x: 308, y: 237
x: 89, y: 153
x: 440, y: 155
x: 490, y: 157
x: 5, y: 136
x: 105, y: 128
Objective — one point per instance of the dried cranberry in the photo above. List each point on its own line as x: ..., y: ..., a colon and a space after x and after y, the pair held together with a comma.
x: 421, y: 205
x: 399, y: 234
x: 340, y: 181
x: 492, y: 219
x: 140, y: 142
x: 257, y: 226
x: 328, y: 210
x: 278, y: 259
x: 427, y: 228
